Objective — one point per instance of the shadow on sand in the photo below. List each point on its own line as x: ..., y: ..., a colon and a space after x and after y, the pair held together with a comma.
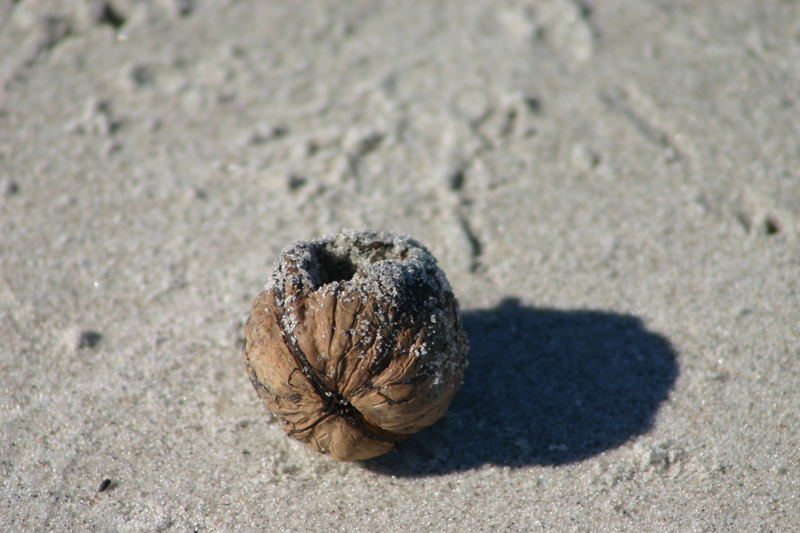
x: 544, y: 387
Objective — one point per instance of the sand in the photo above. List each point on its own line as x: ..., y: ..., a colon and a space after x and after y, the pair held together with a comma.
x: 612, y: 188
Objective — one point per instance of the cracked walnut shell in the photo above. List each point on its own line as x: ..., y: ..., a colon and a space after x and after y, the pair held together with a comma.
x: 356, y: 343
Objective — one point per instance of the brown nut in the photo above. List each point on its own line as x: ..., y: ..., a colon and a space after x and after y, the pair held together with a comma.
x: 356, y: 343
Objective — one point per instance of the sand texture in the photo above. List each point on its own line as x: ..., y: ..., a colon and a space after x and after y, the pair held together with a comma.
x: 612, y: 188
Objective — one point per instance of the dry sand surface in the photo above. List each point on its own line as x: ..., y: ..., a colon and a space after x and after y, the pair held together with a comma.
x: 613, y: 189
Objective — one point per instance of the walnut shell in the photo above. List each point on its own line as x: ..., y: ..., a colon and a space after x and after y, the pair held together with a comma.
x: 356, y: 343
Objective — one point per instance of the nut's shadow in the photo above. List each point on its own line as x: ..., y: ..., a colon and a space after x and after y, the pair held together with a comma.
x: 544, y: 387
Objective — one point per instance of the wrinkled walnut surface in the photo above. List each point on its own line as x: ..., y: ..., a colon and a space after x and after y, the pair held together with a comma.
x: 356, y: 343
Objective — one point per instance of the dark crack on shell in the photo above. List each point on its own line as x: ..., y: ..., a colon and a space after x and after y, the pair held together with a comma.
x: 335, y: 403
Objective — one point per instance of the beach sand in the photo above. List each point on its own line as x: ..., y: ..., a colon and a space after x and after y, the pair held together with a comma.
x: 613, y: 189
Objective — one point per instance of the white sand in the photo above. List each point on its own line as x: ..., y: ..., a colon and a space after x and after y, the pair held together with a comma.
x: 611, y: 187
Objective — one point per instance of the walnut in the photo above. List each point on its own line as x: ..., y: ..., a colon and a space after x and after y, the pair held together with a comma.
x: 356, y: 343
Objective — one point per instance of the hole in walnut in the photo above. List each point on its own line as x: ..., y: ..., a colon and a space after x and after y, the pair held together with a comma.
x: 334, y: 267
